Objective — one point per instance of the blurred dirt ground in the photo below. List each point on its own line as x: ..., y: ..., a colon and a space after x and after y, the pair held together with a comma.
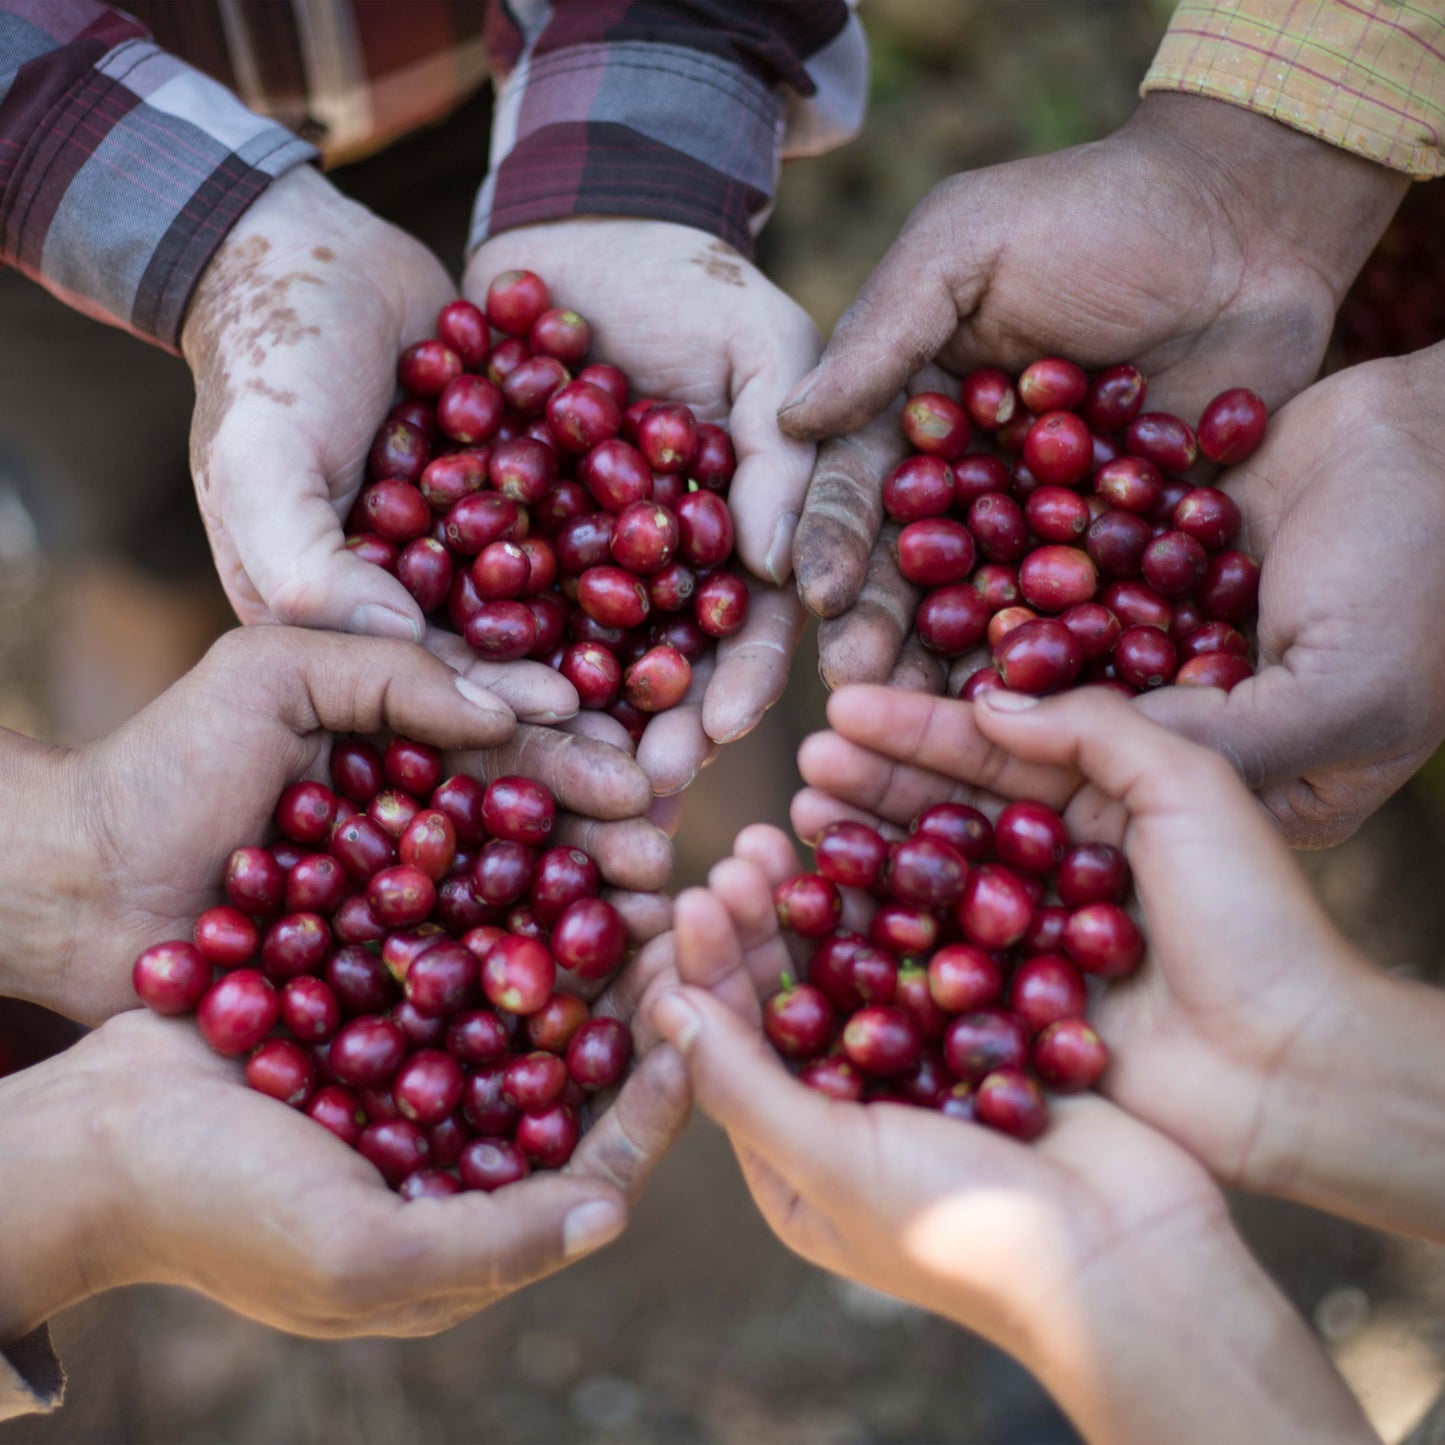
x: 698, y: 1327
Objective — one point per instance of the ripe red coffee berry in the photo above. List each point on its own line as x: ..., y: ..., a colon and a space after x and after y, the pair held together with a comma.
x: 1230, y: 591
x: 836, y: 1078
x: 425, y: 368
x: 238, y: 1011
x: 1039, y: 657
x: 935, y: 552
x: 518, y: 974
x: 367, y: 1051
x: 428, y: 1086
x: 1165, y: 440
x: 705, y: 529
x: 338, y: 1110
x: 563, y: 334
x: 1056, y: 514
x: 305, y: 812
x: 316, y: 884
x: 1092, y: 873
x: 1054, y: 579
x: 519, y: 810
x: 1044, y: 989
x: 535, y: 1080
x: 646, y: 535
x: 1145, y: 658
x: 1232, y: 426
x: 667, y: 437
x: 282, y: 1069
x: 491, y: 1164
x: 995, y: 909
x: 580, y: 417
x: 721, y: 604
x: 918, y: 487
x: 463, y: 327
x: 1214, y: 669
x: 515, y: 300
x: 808, y: 905
x: 171, y: 978
x: 1102, y: 939
x: 1069, y: 1056
x: 658, y: 680
x: 226, y: 936
x: 925, y: 871
x: 1030, y: 837
x: 952, y: 620
x: 962, y: 978
x: 883, y: 1041
x: 441, y: 980
x: 799, y: 1021
x: 1174, y: 564
x: 599, y: 1053
x: 851, y: 854
x: 310, y: 1010
x: 397, y: 1147
x: 1052, y: 384
x: 613, y: 597
x: 1115, y: 397
x: 936, y: 425
x: 1059, y: 449
x: 470, y: 410
x: 975, y: 1044
x: 400, y: 896
x: 548, y: 1136
x: 428, y: 1184
x: 958, y: 825
x: 555, y: 1024
x: 989, y: 398
x: 1208, y: 515
x: 999, y: 528
x: 590, y: 938
x: 1009, y: 1101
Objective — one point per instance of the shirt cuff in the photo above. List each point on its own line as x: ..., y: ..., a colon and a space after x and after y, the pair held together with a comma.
x: 633, y: 129
x: 1366, y: 76
x: 31, y: 1380
x: 129, y: 179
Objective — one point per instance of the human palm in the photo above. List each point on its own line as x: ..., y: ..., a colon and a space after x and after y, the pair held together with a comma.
x: 689, y: 320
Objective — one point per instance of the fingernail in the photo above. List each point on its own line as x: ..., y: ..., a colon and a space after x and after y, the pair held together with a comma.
x: 371, y: 619
x: 676, y: 1020
x: 1000, y: 701
x: 552, y: 715
x: 481, y: 699
x: 799, y: 393
x: 779, y: 560
x: 590, y: 1226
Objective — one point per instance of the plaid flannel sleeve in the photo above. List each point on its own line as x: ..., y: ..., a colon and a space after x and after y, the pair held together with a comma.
x: 121, y: 168
x: 677, y: 111
x: 1365, y: 75
x: 31, y: 1380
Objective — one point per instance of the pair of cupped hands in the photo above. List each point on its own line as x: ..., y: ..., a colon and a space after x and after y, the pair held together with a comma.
x: 1200, y: 241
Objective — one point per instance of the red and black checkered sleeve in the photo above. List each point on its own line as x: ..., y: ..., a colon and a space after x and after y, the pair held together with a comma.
x: 676, y: 111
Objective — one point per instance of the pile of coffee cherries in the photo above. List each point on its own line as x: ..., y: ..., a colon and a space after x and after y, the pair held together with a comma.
x: 1074, y: 548
x: 390, y: 966
x: 553, y: 516
x: 969, y: 987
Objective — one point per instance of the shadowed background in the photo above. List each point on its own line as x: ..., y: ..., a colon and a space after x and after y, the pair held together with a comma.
x: 697, y: 1326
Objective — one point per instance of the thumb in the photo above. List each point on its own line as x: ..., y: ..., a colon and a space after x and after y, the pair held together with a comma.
x: 907, y: 310
x: 288, y: 541
x: 363, y: 684
x: 742, y: 1085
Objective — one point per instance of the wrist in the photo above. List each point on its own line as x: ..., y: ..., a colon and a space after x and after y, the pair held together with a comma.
x: 1293, y: 199
x: 1186, y: 1339
x: 59, y: 1240
x: 50, y: 867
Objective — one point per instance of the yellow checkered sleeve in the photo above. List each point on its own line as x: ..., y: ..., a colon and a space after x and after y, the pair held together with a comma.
x: 1366, y: 75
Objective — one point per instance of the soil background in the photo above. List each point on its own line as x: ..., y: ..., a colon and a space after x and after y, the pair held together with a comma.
x: 698, y: 1326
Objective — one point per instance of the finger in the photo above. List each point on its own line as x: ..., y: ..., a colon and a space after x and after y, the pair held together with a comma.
x: 917, y: 669
x: 535, y: 692
x: 767, y: 953
x: 767, y: 491
x: 631, y: 854
x: 666, y: 814
x: 675, y: 746
x: 590, y: 778
x: 476, y: 1241
x: 842, y: 513
x: 646, y: 914
x: 907, y: 309
x: 812, y: 810
x: 361, y: 684
x: 743, y: 1086
x: 603, y: 729
x: 865, y: 644
x: 287, y: 535
x: 936, y: 735
x: 752, y: 665
x: 707, y: 951
x: 770, y: 849
x: 1106, y: 739
x: 625, y: 1144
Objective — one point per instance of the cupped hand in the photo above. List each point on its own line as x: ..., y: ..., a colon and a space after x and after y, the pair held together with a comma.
x: 688, y: 319
x: 1101, y: 1255
x: 1205, y: 243
x: 162, y: 802
x: 196, y: 1180
x: 293, y: 336
x: 1345, y: 504
x: 1243, y: 974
